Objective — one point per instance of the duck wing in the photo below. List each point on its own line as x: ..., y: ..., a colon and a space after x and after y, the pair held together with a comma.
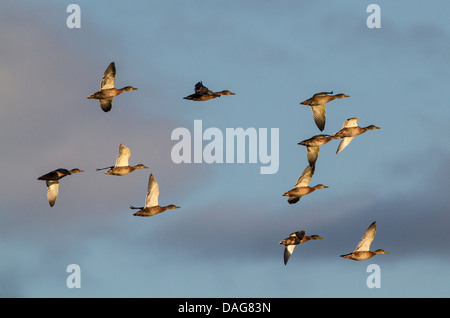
x: 152, y: 192
x: 124, y: 154
x: 312, y: 153
x: 52, y: 191
x: 366, y: 240
x: 109, y: 77
x: 322, y: 94
x: 106, y: 104
x: 199, y: 88
x: 288, y: 250
x: 299, y: 235
x: 351, y: 122
x: 344, y: 143
x: 319, y: 114
x: 306, y: 176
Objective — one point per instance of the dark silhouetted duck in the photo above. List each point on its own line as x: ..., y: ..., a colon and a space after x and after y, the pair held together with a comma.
x: 317, y: 103
x: 122, y: 167
x: 350, y: 130
x: 202, y: 93
x: 52, y: 181
x: 107, y: 90
x: 302, y: 187
x: 362, y: 251
x: 151, y: 201
x: 313, y: 146
x: 293, y: 240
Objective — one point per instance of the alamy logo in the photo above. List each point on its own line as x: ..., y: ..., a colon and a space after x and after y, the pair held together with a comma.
x: 74, y: 279
x: 239, y: 144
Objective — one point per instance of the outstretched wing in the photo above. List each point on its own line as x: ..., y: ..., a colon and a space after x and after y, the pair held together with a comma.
x: 319, y: 115
x: 351, y: 122
x: 312, y: 153
x: 200, y: 89
x: 288, y: 250
x: 344, y: 143
x: 109, y: 77
x: 52, y: 191
x: 124, y: 154
x: 366, y: 240
x: 306, y: 176
x: 106, y: 104
x: 152, y: 192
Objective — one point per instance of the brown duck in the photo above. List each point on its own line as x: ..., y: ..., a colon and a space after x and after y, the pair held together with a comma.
x: 107, y: 90
x: 122, y: 166
x: 202, y: 93
x: 293, y: 240
x: 313, y: 146
x: 302, y: 187
x: 152, y: 206
x: 362, y: 250
x: 350, y: 130
x: 317, y: 103
x: 52, y: 181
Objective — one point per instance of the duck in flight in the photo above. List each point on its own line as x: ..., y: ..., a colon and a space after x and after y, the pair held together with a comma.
x: 52, y: 181
x: 152, y: 206
x: 362, y: 250
x: 302, y: 187
x: 107, y: 89
x: 293, y: 240
x: 350, y: 130
x: 313, y: 146
x: 202, y: 93
x: 317, y: 103
x: 122, y: 167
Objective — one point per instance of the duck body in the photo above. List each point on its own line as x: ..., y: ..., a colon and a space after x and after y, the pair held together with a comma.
x: 55, y: 174
x: 52, y: 182
x: 317, y: 140
x: 350, y: 130
x: 150, y: 211
x: 110, y: 92
x: 107, y: 89
x: 201, y: 97
x: 302, y: 191
x: 121, y: 171
x: 363, y: 255
x: 318, y: 109
x: 293, y: 240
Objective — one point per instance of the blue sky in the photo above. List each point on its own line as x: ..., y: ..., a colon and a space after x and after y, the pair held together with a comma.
x: 223, y: 241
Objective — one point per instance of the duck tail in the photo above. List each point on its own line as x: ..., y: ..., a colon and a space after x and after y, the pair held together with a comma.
x: 104, y: 168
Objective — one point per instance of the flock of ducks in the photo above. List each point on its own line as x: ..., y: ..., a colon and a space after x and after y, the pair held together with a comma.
x: 349, y: 130
x: 122, y: 167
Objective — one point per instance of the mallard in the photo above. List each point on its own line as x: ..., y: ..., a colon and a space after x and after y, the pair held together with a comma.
x: 302, y: 187
x: 317, y: 103
x: 151, y: 201
x: 107, y: 90
x: 293, y: 240
x: 122, y: 166
x: 202, y: 93
x: 52, y: 180
x: 362, y: 251
x: 350, y: 130
x: 313, y: 146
